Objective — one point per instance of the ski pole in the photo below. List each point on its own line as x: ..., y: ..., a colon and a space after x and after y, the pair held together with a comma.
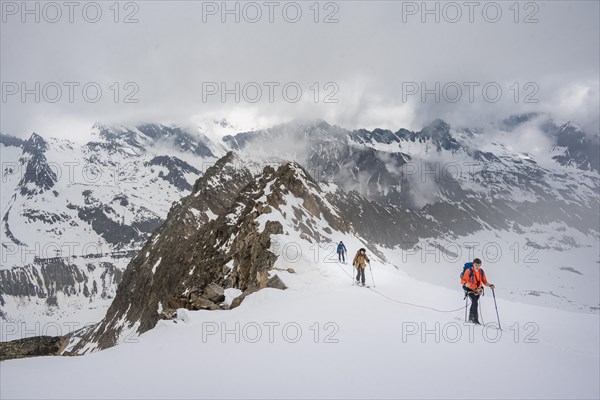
x: 466, y: 303
x: 496, y: 305
x: 481, y: 312
x: 370, y: 269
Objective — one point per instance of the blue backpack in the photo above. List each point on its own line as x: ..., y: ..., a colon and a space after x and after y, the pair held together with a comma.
x: 467, y: 266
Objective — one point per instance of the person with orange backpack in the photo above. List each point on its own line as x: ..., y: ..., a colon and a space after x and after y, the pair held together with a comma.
x: 360, y: 263
x: 473, y: 279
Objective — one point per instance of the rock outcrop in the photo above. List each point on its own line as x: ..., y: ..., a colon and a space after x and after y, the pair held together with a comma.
x: 32, y: 347
x: 211, y: 240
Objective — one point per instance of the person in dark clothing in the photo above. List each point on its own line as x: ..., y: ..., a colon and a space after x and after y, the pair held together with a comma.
x: 473, y: 281
x: 360, y: 263
x: 341, y: 250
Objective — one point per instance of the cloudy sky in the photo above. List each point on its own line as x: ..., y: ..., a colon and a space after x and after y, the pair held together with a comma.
x: 353, y: 63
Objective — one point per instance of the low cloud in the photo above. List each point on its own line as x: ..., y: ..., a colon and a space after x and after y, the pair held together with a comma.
x: 353, y: 73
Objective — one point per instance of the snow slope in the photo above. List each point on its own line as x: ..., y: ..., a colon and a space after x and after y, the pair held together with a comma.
x: 364, y: 346
x: 537, y: 264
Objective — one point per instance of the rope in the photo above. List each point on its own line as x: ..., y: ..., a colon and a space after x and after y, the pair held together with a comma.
x: 402, y: 302
x: 414, y: 305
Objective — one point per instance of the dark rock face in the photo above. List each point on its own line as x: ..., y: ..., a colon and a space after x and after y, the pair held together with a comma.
x: 22, y: 281
x: 376, y: 136
x: 46, y: 278
x: 35, y: 144
x: 237, y: 301
x: 54, y: 275
x: 32, y: 347
x: 275, y: 282
x: 188, y: 251
x: 177, y: 168
x: 196, y: 302
x: 582, y: 150
x: 438, y: 132
x: 38, y: 176
x: 214, y: 293
x: 46, y: 217
x: 98, y: 215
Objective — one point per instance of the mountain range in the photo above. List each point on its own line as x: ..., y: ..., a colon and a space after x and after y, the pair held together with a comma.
x: 163, y: 212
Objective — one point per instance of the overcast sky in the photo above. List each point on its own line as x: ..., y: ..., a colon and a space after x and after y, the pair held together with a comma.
x: 374, y: 61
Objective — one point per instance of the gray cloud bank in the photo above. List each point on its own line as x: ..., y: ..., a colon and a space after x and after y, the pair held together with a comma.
x: 379, y: 65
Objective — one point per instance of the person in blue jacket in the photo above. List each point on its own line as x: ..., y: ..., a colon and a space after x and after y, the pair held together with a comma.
x: 341, y: 250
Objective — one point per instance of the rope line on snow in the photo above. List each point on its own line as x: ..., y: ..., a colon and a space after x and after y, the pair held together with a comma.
x: 403, y: 302
x: 415, y: 305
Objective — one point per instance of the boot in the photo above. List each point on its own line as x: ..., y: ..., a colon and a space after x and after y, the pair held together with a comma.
x: 474, y: 318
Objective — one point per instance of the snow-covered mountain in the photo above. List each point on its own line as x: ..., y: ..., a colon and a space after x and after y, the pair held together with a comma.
x: 74, y: 214
x: 74, y: 221
x: 244, y: 268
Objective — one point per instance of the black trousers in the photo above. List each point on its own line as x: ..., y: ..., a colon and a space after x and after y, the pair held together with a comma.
x: 473, y: 315
x: 341, y: 256
x: 360, y: 275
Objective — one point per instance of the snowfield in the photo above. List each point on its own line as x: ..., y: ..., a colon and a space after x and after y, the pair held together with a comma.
x: 325, y: 338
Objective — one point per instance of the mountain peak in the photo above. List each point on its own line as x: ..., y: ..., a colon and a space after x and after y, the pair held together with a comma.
x: 35, y: 144
x: 436, y: 125
x: 439, y: 133
x: 38, y: 176
x: 294, y: 170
